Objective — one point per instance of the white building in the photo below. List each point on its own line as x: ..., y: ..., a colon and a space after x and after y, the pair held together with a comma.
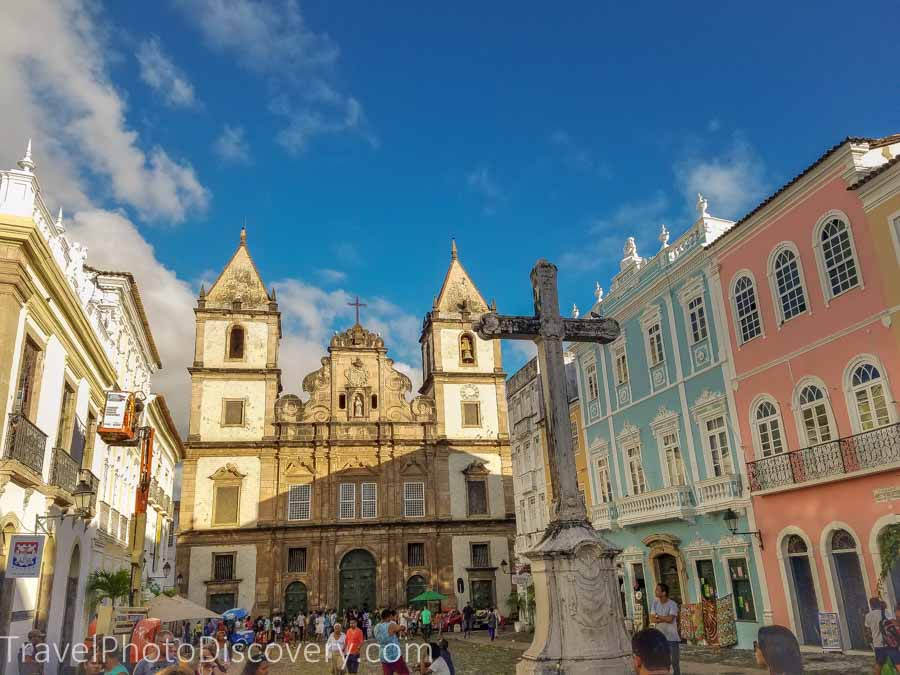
x: 68, y: 335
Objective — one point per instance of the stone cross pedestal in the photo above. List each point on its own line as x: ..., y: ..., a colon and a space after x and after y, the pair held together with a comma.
x: 579, y: 628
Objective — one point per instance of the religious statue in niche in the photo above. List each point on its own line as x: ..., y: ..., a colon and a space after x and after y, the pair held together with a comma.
x: 358, y: 405
x: 466, y: 350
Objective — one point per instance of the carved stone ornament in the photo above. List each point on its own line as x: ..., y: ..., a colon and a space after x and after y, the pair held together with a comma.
x: 357, y: 375
x: 228, y: 472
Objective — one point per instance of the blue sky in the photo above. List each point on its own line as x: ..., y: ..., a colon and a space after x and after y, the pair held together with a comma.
x: 357, y: 138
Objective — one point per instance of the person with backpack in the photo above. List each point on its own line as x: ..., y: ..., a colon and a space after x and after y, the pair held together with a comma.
x: 876, y: 622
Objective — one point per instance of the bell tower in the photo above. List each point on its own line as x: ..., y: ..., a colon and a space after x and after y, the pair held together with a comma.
x: 463, y: 373
x: 235, y: 378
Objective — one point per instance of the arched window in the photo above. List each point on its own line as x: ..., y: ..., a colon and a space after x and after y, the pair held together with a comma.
x: 467, y: 350
x: 236, y: 342
x: 796, y: 545
x: 838, y: 259
x: 791, y: 296
x: 814, y: 415
x: 746, y: 309
x: 867, y: 389
x: 768, y: 429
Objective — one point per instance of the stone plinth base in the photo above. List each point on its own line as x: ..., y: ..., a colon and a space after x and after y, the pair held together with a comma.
x: 579, y: 628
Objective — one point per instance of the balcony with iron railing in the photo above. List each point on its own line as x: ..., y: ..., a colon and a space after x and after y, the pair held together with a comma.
x: 64, y: 472
x: 23, y: 452
x: 670, y: 503
x: 864, y: 453
x: 94, y: 483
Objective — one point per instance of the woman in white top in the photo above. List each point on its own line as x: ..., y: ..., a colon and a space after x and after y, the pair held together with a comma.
x: 335, y: 648
x: 320, y: 627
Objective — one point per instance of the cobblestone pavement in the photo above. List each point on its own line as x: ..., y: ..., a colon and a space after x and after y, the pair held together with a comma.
x: 479, y: 656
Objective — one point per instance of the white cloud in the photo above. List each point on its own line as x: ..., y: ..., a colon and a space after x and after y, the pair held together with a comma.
x: 575, y: 156
x: 272, y: 40
x: 481, y: 181
x: 231, y: 146
x: 733, y: 181
x: 57, y: 89
x: 163, y: 76
x: 332, y: 276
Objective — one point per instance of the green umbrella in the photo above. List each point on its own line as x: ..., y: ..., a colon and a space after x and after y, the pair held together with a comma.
x: 428, y: 596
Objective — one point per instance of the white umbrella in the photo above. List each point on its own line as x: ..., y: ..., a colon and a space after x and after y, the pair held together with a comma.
x: 176, y: 608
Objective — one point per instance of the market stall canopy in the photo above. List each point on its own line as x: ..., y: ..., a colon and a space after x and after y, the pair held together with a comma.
x: 177, y: 608
x: 236, y: 614
x: 428, y: 596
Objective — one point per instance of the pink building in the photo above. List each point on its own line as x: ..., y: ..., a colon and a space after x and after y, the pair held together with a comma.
x: 816, y: 379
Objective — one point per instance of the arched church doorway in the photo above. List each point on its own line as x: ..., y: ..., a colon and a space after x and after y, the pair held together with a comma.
x: 357, y: 580
x: 667, y: 573
x: 295, y: 600
x: 415, y: 586
x: 851, y: 587
x: 68, y: 622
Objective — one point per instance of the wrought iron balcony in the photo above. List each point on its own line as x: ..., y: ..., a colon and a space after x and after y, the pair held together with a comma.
x: 25, y: 443
x: 875, y: 450
x: 603, y: 515
x: 715, y: 494
x: 64, y: 470
x: 671, y: 503
x: 88, y: 477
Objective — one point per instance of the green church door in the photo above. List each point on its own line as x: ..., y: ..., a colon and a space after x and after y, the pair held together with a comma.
x: 295, y: 600
x: 357, y: 581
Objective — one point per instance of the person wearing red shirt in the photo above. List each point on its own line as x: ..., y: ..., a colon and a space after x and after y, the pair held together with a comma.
x: 353, y: 644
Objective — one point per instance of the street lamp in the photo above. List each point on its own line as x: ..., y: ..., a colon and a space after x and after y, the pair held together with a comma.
x: 82, y: 495
x: 504, y: 566
x: 731, y: 522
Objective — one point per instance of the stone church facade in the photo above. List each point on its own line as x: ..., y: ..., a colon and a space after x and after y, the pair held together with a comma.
x: 354, y: 495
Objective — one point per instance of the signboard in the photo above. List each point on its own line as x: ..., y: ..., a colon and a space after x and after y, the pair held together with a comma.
x: 114, y: 412
x: 830, y: 630
x: 523, y: 579
x: 25, y: 554
x: 125, y: 618
x: 887, y: 494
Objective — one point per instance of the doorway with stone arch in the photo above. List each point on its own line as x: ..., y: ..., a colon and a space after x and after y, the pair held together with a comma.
x: 68, y: 622
x: 357, y: 580
x: 667, y: 564
x: 415, y: 586
x: 296, y: 600
x: 801, y: 585
x: 849, y: 585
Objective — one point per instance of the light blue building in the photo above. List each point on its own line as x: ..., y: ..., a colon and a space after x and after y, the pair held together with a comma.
x: 664, y: 457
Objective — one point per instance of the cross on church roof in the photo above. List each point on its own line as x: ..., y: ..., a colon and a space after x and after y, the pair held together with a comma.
x: 357, y: 304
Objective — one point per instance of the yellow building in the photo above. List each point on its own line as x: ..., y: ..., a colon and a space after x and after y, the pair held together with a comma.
x: 879, y: 192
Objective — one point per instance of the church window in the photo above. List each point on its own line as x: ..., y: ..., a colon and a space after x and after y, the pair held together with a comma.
x: 838, y: 257
x: 415, y: 554
x: 697, y: 318
x: 414, y: 499
x: 467, y: 349
x: 746, y: 309
x: 636, y: 470
x: 374, y: 401
x: 672, y: 455
x: 369, y: 496
x: 621, y: 362
x: 768, y: 429
x: 236, y: 343
x: 717, y: 447
x: 814, y: 413
x: 297, y: 560
x: 591, y: 377
x: 655, y: 345
x: 226, y: 503
x: 233, y: 412
x: 869, y: 396
x: 603, y: 479
x: 481, y: 555
x: 476, y: 492
x: 299, y: 500
x: 342, y: 401
x: 347, y: 501
x: 471, y: 414
x: 223, y: 566
x: 29, y: 380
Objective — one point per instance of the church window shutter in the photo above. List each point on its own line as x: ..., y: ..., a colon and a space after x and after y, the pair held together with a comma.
x: 369, y: 495
x: 297, y: 560
x: 347, y: 501
x: 471, y: 414
x: 414, y: 499
x: 227, y: 499
x: 236, y: 343
x: 415, y: 554
x: 477, y: 497
x: 233, y: 413
x: 299, y: 499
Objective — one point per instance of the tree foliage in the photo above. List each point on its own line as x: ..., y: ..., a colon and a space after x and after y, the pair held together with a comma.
x: 111, y: 585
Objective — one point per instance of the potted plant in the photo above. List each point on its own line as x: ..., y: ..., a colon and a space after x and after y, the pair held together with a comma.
x: 512, y: 605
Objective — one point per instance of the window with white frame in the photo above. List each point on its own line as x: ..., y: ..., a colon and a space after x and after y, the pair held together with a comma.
x: 672, y: 454
x: 867, y: 388
x: 717, y: 446
x: 789, y: 285
x: 369, y: 500
x: 414, y: 500
x: 838, y: 259
x: 590, y: 376
x: 746, y: 309
x: 697, y: 319
x: 814, y: 415
x: 603, y: 482
x: 654, y: 344
x: 768, y: 429
x: 636, y: 476
x: 347, y: 501
x: 299, y: 500
x: 620, y: 363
